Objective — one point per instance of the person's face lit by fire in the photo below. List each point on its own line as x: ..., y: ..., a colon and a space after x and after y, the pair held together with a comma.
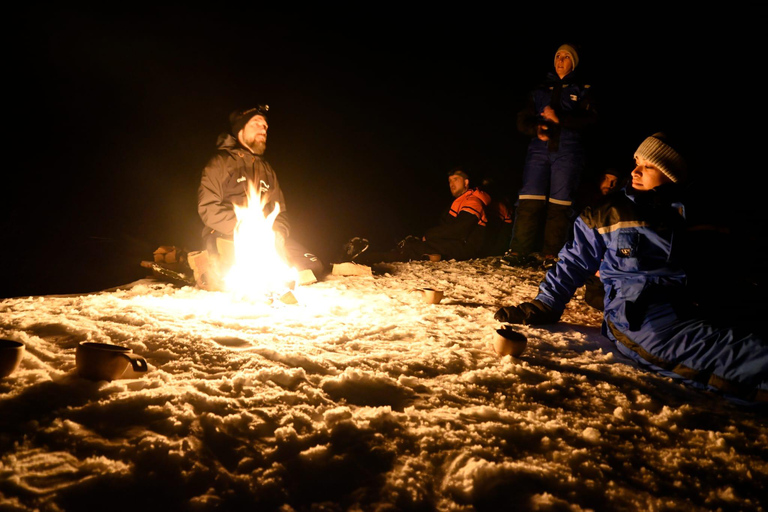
x: 254, y: 134
x: 608, y: 183
x: 647, y: 176
x: 458, y: 185
x: 563, y: 63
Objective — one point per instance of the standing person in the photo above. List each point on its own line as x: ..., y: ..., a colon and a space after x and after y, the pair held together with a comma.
x: 635, y: 239
x: 556, y: 116
x: 238, y: 164
x: 460, y: 235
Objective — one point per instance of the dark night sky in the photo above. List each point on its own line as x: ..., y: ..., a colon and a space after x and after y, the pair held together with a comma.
x: 117, y: 114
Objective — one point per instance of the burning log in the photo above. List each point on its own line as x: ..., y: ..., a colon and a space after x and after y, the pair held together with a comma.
x: 253, y: 263
x: 207, y: 270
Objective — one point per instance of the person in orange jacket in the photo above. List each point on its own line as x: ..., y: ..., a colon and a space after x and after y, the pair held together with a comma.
x: 459, y: 235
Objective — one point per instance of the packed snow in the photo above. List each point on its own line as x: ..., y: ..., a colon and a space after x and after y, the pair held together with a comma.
x: 361, y: 396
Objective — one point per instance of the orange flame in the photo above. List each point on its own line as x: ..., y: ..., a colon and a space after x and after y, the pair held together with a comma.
x: 258, y: 269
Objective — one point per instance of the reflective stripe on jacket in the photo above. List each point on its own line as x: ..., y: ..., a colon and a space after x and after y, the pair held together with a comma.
x: 635, y: 240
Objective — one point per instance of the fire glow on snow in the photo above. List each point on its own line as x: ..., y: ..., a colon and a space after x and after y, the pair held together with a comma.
x: 359, y: 397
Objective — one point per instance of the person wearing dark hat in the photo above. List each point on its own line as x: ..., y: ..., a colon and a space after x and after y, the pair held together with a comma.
x: 557, y: 117
x: 635, y: 239
x: 459, y: 235
x: 596, y: 191
x: 227, y: 177
x: 608, y: 181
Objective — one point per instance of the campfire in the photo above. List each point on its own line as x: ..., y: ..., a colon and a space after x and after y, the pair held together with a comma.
x: 249, y: 266
x: 256, y: 268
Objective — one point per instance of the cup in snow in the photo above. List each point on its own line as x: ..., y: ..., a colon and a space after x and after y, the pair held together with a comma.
x: 104, y: 361
x: 508, y: 342
x: 11, y: 354
x: 432, y: 296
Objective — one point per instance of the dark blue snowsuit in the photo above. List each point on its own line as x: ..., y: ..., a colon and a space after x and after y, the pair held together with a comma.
x: 552, y: 168
x: 636, y: 240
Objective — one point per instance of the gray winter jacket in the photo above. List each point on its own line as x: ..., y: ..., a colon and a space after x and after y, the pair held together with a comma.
x: 225, y: 181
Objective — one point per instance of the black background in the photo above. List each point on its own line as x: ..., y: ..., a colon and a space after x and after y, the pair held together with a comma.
x: 112, y: 116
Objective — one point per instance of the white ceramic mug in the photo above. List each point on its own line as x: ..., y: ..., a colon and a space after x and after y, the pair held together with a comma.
x: 11, y: 354
x: 509, y: 342
x: 103, y: 361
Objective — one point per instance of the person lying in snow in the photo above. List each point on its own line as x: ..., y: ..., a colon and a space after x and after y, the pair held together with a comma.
x: 634, y: 240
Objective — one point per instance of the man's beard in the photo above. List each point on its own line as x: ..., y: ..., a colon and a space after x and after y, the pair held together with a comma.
x: 258, y: 146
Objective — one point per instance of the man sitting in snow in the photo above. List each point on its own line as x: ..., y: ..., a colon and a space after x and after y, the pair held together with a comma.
x: 225, y: 182
x: 634, y: 240
x: 459, y: 236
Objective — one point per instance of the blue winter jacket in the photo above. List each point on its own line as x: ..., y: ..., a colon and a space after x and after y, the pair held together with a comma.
x: 573, y: 102
x: 636, y: 241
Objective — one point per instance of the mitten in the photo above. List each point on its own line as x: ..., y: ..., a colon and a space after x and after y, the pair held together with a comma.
x: 528, y: 313
x: 510, y: 315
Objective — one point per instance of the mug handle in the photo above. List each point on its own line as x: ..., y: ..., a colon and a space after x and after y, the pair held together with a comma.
x: 138, y: 363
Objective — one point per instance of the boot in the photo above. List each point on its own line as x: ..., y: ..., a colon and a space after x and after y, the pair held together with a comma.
x: 529, y: 221
x: 556, y: 228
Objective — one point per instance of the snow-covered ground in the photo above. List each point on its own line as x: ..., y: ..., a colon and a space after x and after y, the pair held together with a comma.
x: 359, y: 397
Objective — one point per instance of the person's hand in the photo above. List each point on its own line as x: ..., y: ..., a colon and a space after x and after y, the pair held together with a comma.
x: 510, y: 315
x: 549, y: 114
x: 527, y: 313
x: 542, y: 132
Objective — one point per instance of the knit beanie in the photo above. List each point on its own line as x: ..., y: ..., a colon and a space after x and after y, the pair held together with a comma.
x: 571, y: 51
x: 239, y: 118
x: 658, y: 151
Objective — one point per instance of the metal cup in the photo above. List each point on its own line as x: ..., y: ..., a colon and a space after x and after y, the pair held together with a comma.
x: 432, y: 296
x: 11, y: 354
x: 507, y: 342
x: 103, y: 361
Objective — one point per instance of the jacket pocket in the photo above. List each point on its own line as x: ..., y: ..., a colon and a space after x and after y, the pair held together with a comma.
x: 627, y: 244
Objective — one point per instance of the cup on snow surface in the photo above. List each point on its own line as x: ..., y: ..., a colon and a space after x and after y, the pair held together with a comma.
x: 103, y: 361
x: 432, y: 296
x: 509, y: 342
x: 11, y: 354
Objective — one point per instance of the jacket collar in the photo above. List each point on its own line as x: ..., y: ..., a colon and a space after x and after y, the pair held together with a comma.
x: 553, y: 79
x: 668, y: 193
x: 227, y: 142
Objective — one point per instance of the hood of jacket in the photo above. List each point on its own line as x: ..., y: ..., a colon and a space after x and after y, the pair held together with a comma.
x: 227, y: 142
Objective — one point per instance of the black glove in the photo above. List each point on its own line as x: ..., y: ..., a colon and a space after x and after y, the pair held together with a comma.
x: 510, y: 315
x: 527, y: 313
